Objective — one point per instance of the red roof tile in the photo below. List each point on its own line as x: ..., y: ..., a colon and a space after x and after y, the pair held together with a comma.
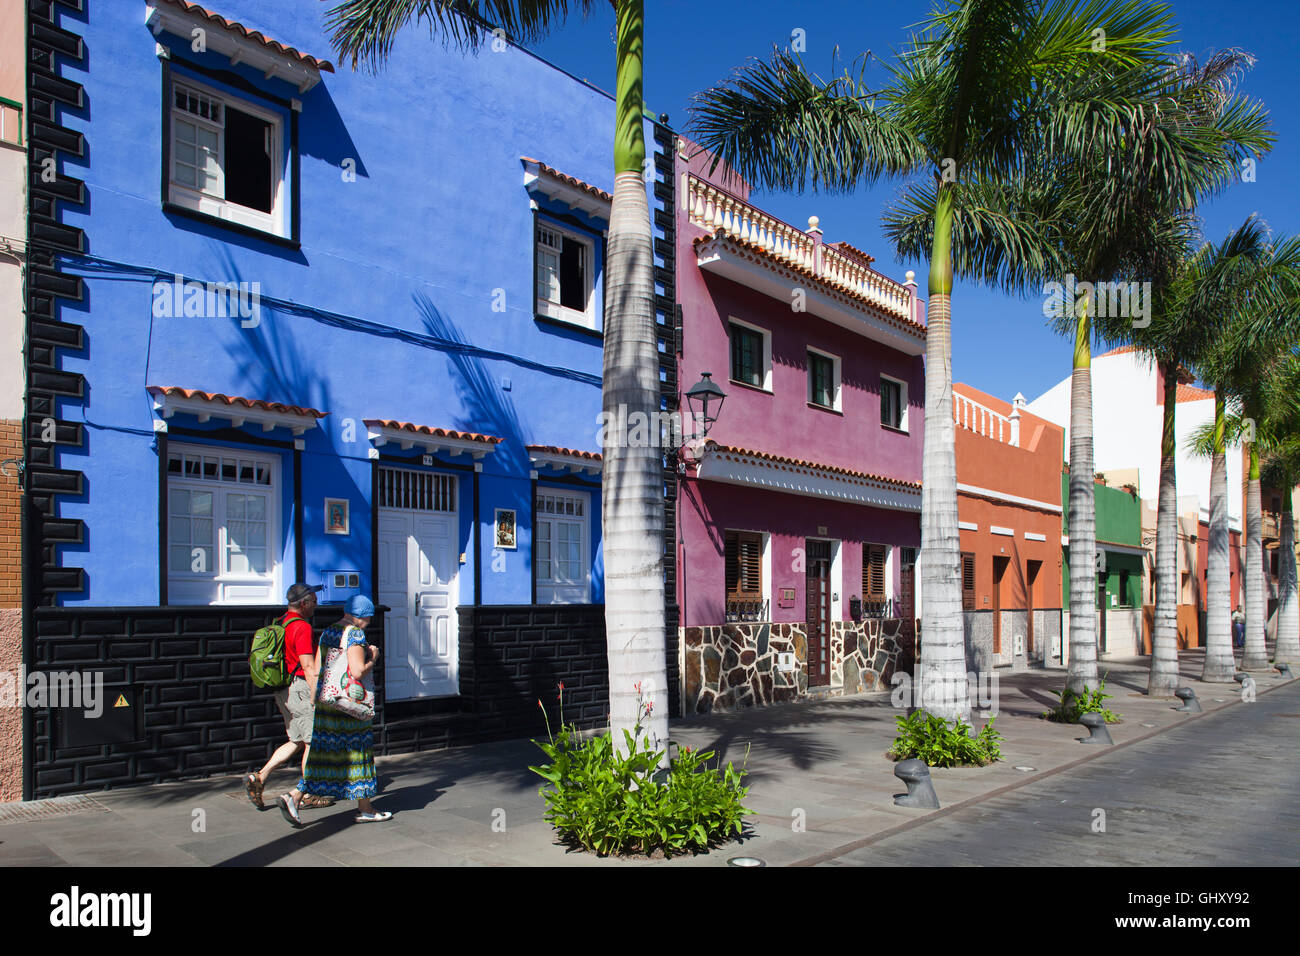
x: 799, y: 462
x: 852, y: 250
x: 1190, y: 393
x: 906, y: 324
x: 1122, y: 350
x: 257, y: 403
x: 571, y: 180
x: 567, y: 452
x: 434, y: 432
x: 189, y: 7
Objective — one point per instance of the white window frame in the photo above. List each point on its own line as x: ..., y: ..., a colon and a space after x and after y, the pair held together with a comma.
x: 902, y: 401
x: 555, y: 585
x: 767, y: 352
x: 553, y: 310
x: 217, y: 585
x: 187, y: 197
x: 835, y: 380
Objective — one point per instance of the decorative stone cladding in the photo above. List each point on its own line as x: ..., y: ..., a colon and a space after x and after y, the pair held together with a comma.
x: 729, y: 666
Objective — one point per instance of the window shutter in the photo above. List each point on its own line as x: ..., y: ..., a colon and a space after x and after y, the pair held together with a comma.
x: 967, y: 581
x: 744, y: 559
x: 874, y: 557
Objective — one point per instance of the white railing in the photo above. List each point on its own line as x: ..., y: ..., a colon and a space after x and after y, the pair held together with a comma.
x: 849, y: 274
x: 716, y: 209
x: 982, y: 420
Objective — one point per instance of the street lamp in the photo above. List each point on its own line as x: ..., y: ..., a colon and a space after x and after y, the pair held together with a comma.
x: 700, y: 398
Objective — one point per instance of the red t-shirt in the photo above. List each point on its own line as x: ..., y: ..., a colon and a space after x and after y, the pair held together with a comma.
x: 298, y: 643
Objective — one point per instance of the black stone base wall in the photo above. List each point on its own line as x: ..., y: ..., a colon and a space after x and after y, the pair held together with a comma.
x: 187, y: 667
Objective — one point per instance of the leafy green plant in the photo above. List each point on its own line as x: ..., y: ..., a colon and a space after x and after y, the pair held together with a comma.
x: 930, y: 738
x: 1073, y: 706
x: 612, y: 803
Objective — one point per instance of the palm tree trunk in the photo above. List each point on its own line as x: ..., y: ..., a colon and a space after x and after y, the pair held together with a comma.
x: 1083, y: 515
x: 1164, y: 640
x: 1255, y: 655
x: 632, y: 479
x: 942, y: 667
x: 1219, y: 663
x: 1288, y: 608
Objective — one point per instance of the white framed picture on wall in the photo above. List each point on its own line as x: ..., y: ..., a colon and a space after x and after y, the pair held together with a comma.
x: 337, y: 518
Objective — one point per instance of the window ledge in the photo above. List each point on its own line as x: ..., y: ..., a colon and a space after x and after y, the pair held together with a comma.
x: 891, y: 428
x: 569, y: 326
x: 752, y: 388
x: 179, y: 210
x: 826, y: 408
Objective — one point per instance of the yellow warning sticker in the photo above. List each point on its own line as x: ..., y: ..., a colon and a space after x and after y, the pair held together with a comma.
x: 121, y: 701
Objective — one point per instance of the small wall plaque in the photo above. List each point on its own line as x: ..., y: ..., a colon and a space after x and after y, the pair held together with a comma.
x: 337, y: 518
x: 505, y: 529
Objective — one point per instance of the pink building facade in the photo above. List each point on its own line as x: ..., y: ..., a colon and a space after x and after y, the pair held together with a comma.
x: 799, y: 516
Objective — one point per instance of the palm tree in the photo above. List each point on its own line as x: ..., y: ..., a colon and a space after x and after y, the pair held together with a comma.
x: 632, y: 481
x: 1253, y: 330
x: 968, y: 92
x: 1087, y: 214
x: 1282, y: 470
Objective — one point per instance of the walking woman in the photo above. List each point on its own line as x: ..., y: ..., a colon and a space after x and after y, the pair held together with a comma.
x: 342, y: 759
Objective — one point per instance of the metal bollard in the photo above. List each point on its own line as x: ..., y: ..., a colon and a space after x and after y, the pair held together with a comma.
x: 1188, y: 696
x: 920, y: 791
x: 1284, y: 669
x: 1097, y: 731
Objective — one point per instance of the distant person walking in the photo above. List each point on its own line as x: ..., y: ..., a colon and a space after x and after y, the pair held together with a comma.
x: 1238, y: 628
x: 341, y: 764
x: 295, y: 701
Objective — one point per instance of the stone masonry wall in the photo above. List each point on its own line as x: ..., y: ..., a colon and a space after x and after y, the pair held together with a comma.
x: 729, y: 666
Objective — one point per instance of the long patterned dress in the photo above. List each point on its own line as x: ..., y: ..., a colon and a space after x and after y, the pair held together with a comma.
x: 341, y: 763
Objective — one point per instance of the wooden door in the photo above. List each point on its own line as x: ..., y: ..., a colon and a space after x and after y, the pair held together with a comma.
x: 999, y: 570
x: 1101, y: 619
x: 1031, y: 575
x: 818, y: 595
x: 907, y: 587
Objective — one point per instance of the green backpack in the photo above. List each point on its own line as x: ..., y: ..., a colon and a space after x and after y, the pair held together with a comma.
x: 266, y: 664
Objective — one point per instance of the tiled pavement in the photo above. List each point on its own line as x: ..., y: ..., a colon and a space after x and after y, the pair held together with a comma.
x: 819, y: 782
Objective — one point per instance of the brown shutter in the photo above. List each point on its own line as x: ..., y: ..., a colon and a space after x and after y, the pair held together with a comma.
x: 873, y: 572
x: 744, y: 571
x: 967, y: 581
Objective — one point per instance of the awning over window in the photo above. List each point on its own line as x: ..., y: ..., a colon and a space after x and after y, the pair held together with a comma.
x: 236, y: 41
x: 551, y: 456
x: 561, y: 187
x: 170, y: 399
x: 383, y: 431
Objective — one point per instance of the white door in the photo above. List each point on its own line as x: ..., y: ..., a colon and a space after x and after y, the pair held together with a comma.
x: 418, y: 580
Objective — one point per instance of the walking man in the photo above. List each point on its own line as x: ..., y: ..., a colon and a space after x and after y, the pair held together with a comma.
x: 296, y: 701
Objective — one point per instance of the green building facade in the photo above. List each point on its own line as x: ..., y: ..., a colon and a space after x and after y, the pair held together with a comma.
x: 1119, y: 538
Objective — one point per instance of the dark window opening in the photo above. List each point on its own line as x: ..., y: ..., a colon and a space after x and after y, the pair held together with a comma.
x: 573, y: 275
x: 821, y: 380
x: 891, y: 404
x: 746, y: 356
x: 248, y: 161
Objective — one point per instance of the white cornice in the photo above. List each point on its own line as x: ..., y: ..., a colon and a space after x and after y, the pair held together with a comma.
x: 553, y: 187
x: 739, y: 469
x: 573, y: 463
x: 1011, y: 499
x: 238, y: 415
x: 380, y: 435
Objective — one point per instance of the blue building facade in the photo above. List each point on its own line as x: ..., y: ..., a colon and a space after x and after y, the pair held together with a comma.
x: 291, y: 322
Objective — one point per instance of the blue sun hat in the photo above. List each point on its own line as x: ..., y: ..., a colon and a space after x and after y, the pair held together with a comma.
x: 360, y: 606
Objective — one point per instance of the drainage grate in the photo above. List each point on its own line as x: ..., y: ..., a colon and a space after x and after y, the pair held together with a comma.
x: 53, y: 807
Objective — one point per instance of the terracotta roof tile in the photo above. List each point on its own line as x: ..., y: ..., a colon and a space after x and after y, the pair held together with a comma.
x: 230, y: 400
x: 571, y: 180
x: 850, y: 249
x: 906, y: 324
x: 801, y: 463
x: 189, y: 7
x: 1190, y: 393
x: 567, y: 452
x: 433, y: 432
x: 1122, y: 350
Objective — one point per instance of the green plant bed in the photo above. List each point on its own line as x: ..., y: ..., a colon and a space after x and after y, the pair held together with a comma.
x: 931, y: 739
x: 1073, y: 706
x: 623, y: 804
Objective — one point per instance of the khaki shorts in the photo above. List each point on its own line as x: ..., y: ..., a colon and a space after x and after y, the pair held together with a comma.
x: 298, y: 708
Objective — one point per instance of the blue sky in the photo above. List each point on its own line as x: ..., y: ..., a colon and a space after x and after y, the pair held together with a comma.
x: 1001, y: 344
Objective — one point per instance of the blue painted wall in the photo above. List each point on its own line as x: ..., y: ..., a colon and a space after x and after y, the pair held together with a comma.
x: 417, y: 247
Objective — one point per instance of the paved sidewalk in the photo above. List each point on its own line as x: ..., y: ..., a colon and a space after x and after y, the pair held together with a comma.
x: 819, y: 764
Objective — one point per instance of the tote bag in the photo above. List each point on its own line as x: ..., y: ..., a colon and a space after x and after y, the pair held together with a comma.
x: 339, y: 689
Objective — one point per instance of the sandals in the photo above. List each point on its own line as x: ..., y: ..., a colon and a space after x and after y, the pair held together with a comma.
x: 311, y: 801
x: 377, y: 817
x: 254, y: 787
x: 289, y: 810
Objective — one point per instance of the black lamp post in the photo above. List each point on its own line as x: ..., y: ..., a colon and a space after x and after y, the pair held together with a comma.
x: 705, y: 400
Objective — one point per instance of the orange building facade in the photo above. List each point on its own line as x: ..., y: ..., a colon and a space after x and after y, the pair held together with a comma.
x: 1009, y: 510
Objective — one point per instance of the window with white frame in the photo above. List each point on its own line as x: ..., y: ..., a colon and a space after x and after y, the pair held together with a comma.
x: 751, y: 354
x: 223, y: 526
x: 226, y: 158
x: 893, y: 403
x: 823, y: 379
x: 561, y: 549
x: 565, y: 275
